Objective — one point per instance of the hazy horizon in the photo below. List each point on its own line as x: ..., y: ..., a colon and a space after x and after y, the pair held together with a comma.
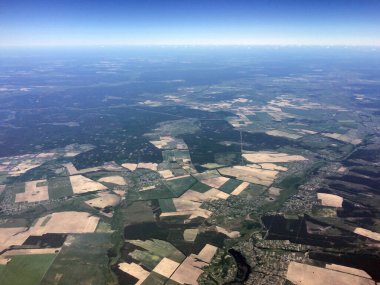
x: 155, y: 23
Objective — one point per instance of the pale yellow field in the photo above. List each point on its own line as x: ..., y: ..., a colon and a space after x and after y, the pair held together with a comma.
x: 109, y: 166
x: 190, y: 234
x: 166, y: 173
x: 215, y: 182
x: 278, y: 115
x: 103, y: 200
x: 304, y: 274
x: 274, y: 191
x: 24, y: 166
x: 177, y: 177
x: 60, y: 222
x: 190, y: 202
x: 367, y: 233
x: 348, y: 138
x: 330, y: 200
x: 309, y: 132
x: 268, y: 156
x: 250, y: 174
x: 207, y: 253
x: 130, y: 166
x: 233, y: 234
x: 81, y: 184
x: 189, y: 270
x: 272, y: 166
x: 118, y: 180
x: 212, y: 165
x: 121, y: 193
x: 194, y: 196
x: 33, y: 193
x: 214, y: 194
x: 277, y: 133
x: 45, y: 154
x: 163, y: 142
x: 240, y: 100
x: 147, y: 188
x: 135, y: 270
x: 185, y: 204
x: 173, y: 98
x: 71, y: 154
x: 342, y: 169
x: 148, y: 165
x: 203, y: 213
x: 12, y: 236
x: 350, y: 270
x: 240, y: 188
x: 66, y: 222
x: 71, y: 169
x: 166, y: 267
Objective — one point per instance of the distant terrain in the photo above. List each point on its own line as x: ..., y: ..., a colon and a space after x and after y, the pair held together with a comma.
x: 190, y: 166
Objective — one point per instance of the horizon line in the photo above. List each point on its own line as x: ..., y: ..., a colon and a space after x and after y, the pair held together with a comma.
x: 325, y: 45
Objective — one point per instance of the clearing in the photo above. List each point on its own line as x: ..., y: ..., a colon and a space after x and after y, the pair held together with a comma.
x: 81, y: 184
x: 35, y: 191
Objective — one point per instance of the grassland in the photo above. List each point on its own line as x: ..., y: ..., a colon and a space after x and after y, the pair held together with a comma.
x: 156, y: 279
x: 229, y: 186
x: 179, y: 186
x: 26, y: 269
x: 59, y: 187
x: 167, y: 205
x: 160, y: 191
x: 200, y: 187
x: 69, y: 266
x: 160, y: 248
x: 147, y: 259
x: 172, y: 155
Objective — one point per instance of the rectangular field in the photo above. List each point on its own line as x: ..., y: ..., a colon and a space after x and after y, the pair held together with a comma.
x: 85, y: 261
x: 167, y: 205
x: 59, y: 187
x: 26, y: 269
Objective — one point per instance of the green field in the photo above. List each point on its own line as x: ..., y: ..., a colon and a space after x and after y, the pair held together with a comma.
x: 160, y: 248
x: 166, y: 205
x: 200, y: 187
x: 85, y: 261
x: 172, y: 155
x: 230, y: 186
x: 160, y: 191
x: 59, y: 187
x: 254, y: 190
x: 179, y: 186
x: 155, y: 279
x: 137, y: 212
x: 145, y: 258
x: 26, y: 269
x: 18, y: 187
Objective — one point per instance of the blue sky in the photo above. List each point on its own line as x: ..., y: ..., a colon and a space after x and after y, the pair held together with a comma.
x: 194, y: 22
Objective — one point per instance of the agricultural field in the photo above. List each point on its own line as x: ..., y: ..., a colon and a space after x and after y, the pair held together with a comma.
x: 69, y: 268
x: 26, y: 269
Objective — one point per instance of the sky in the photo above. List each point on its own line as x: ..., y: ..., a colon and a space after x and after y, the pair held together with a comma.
x: 27, y: 23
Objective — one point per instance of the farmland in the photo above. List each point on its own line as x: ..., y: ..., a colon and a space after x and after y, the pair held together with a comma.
x: 172, y: 168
